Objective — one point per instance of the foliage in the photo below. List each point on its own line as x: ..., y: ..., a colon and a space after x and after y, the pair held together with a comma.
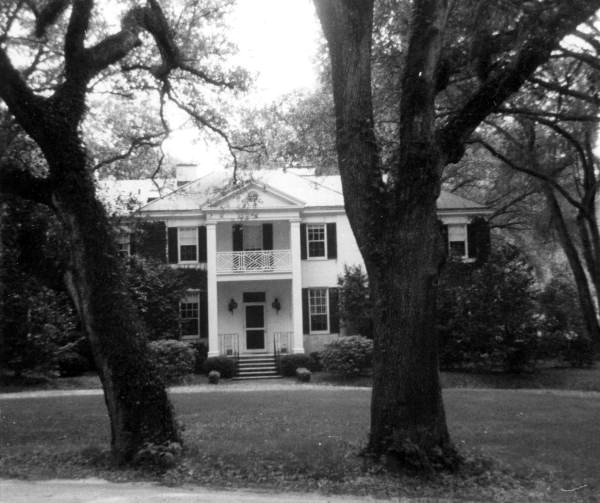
x: 156, y: 290
x: 222, y: 364
x: 487, y: 317
x: 303, y: 374
x: 71, y: 364
x: 348, y: 356
x: 158, y: 456
x: 316, y: 365
x: 288, y: 364
x: 355, y: 303
x: 564, y: 335
x: 174, y: 359
x: 200, y: 353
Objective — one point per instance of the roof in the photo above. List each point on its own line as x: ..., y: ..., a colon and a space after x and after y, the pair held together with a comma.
x: 304, y: 189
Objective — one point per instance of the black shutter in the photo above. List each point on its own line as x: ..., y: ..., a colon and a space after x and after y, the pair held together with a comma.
x: 149, y: 240
x: 303, y: 242
x: 173, y: 245
x: 203, y: 314
x: 267, y: 236
x: 478, y: 239
x: 238, y: 238
x: 305, y: 313
x: 334, y: 311
x: 444, y: 231
x: 202, y: 243
x: 331, y: 241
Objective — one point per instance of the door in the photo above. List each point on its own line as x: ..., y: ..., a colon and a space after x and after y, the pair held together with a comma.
x: 255, y: 327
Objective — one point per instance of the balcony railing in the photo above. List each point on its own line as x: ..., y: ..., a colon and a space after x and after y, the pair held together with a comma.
x: 254, y: 261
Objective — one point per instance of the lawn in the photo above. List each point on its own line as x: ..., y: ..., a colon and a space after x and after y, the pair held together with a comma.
x: 308, y: 439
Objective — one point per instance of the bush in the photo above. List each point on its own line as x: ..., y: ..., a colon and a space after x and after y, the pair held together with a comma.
x: 174, y: 359
x: 316, y: 365
x: 355, y: 302
x: 487, y: 316
x: 222, y: 364
x: 214, y: 376
x: 289, y: 363
x: 303, y: 374
x: 348, y: 356
x: 71, y: 364
x: 200, y: 354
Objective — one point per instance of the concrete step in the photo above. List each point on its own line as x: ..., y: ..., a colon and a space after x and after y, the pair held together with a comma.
x: 243, y: 378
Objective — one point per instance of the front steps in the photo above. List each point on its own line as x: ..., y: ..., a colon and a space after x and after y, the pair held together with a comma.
x: 258, y: 366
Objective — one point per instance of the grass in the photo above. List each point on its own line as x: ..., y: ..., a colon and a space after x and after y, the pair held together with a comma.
x: 309, y: 440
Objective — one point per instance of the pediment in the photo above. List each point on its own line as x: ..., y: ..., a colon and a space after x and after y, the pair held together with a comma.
x: 255, y: 196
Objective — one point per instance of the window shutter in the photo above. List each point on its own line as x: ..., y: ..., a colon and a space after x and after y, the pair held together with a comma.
x: 149, y: 240
x: 203, y: 314
x: 267, y: 236
x: 334, y: 311
x: 303, y: 242
x: 238, y: 238
x: 331, y: 241
x: 443, y: 229
x: 202, y: 243
x: 305, y: 312
x: 478, y: 239
x: 173, y: 245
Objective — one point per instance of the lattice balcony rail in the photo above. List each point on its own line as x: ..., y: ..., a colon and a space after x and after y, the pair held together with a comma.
x: 254, y: 261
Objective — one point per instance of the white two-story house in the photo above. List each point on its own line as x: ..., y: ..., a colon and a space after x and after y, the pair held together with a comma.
x: 265, y: 255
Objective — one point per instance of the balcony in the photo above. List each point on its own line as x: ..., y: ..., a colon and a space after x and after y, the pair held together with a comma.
x: 258, y: 261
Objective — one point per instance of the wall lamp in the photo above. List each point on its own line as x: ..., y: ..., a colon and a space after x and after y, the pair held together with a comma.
x: 232, y: 306
x: 276, y: 305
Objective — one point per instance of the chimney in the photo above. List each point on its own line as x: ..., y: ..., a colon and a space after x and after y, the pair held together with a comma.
x: 185, y: 173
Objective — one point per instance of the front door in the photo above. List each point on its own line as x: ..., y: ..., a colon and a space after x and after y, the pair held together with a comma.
x: 255, y: 327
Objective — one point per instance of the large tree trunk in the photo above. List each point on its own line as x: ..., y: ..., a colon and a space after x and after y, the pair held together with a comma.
x: 408, y: 423
x: 136, y: 399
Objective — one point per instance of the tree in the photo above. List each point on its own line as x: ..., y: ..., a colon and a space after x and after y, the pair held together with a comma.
x: 47, y: 98
x: 461, y: 61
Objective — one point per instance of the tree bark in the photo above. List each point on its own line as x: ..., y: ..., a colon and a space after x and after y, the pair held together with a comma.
x: 136, y: 399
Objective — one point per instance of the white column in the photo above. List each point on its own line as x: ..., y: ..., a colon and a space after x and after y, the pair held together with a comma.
x: 211, y: 286
x: 298, y: 338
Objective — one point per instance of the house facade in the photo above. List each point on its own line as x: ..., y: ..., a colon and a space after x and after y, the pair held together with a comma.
x: 264, y: 257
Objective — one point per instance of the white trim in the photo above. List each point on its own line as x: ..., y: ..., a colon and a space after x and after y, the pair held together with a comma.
x: 325, y: 250
x: 179, y: 229
x: 264, y: 328
x: 328, y: 329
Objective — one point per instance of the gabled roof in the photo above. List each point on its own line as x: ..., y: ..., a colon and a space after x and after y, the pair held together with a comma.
x: 277, y: 188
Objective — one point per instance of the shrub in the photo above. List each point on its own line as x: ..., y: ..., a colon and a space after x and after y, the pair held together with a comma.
x: 348, y: 356
x: 303, y: 374
x: 214, y: 376
x: 222, y: 364
x: 316, y: 365
x: 71, y: 364
x: 355, y: 303
x: 174, y: 359
x: 289, y: 363
x: 200, y: 354
x: 487, y: 316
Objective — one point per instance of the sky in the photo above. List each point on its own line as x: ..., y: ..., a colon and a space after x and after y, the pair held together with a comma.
x: 278, y: 41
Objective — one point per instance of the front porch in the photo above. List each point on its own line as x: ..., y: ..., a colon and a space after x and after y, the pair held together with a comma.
x: 255, y: 318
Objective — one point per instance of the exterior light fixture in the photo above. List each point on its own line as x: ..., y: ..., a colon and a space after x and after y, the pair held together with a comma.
x: 276, y: 305
x: 232, y: 306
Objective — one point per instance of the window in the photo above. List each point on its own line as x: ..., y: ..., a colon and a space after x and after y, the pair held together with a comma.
x: 457, y: 240
x: 124, y: 244
x: 188, y: 244
x: 318, y: 310
x: 189, y: 315
x: 315, y: 239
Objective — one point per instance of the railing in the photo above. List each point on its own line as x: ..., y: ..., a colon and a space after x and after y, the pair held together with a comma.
x: 254, y: 261
x: 282, y: 343
x: 229, y: 345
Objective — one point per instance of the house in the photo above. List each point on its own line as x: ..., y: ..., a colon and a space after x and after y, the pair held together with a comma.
x: 264, y: 256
